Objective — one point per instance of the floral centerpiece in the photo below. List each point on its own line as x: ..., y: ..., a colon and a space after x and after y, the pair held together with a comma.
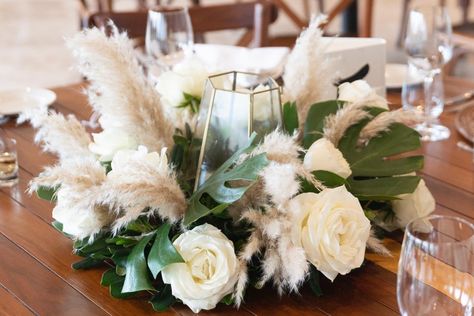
x: 305, y: 202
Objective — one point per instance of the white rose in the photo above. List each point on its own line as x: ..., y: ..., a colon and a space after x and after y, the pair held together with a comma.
x: 109, y: 141
x: 77, y: 218
x: 122, y: 159
x: 188, y: 77
x: 210, y: 270
x: 360, y: 90
x: 323, y: 155
x: 332, y: 229
x: 414, y: 205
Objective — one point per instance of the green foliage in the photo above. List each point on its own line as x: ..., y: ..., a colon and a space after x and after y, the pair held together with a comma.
x: 47, y: 193
x: 163, y: 299
x: 190, y: 102
x: 217, y: 187
x: 373, y: 165
x: 107, y: 165
x: 329, y: 179
x: 313, y: 281
x: 162, y: 252
x: 313, y: 128
x: 137, y: 276
x: 290, y: 117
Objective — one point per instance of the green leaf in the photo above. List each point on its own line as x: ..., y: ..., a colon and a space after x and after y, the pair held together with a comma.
x: 372, y: 160
x: 228, y: 299
x: 163, y: 300
x: 313, y: 128
x: 87, y: 263
x: 162, y: 252
x: 314, y: 282
x: 107, y: 165
x: 137, y: 278
x: 190, y: 101
x: 329, y: 179
x: 109, y: 277
x: 383, y: 188
x: 58, y: 226
x: 47, y: 193
x: 120, y: 260
x: 216, y: 187
x: 290, y: 117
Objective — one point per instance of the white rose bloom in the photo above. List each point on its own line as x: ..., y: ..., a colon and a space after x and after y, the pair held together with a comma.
x: 332, y: 229
x: 360, y: 90
x: 77, y: 218
x: 122, y: 158
x: 188, y: 77
x: 210, y: 270
x: 109, y: 141
x: 323, y: 155
x: 414, y: 205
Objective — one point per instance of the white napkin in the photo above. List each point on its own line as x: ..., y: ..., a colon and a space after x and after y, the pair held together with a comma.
x: 268, y: 61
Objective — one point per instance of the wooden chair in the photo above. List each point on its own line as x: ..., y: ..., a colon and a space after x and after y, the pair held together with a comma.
x: 250, y: 15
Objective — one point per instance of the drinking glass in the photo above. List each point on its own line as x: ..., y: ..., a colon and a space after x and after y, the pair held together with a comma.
x: 169, y: 35
x: 8, y: 162
x: 436, y: 267
x: 428, y: 44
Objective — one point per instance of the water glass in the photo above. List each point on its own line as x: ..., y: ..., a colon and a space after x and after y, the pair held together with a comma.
x: 169, y: 35
x: 436, y: 267
x: 428, y: 44
x: 8, y: 162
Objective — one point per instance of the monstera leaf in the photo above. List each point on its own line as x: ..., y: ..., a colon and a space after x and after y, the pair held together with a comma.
x: 216, y: 186
x: 373, y: 165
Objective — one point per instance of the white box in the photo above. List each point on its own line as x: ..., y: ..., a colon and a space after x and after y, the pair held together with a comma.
x: 350, y: 54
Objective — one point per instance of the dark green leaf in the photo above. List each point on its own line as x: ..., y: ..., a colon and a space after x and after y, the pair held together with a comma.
x: 314, y: 282
x: 115, y: 290
x: 290, y: 117
x: 371, y: 160
x: 58, y: 226
x: 120, y: 260
x: 313, y: 128
x: 162, y: 252
x: 87, y: 263
x: 216, y: 187
x: 109, y: 277
x: 190, y: 101
x: 228, y: 299
x: 383, y: 188
x: 329, y: 179
x: 137, y: 276
x: 162, y: 300
x: 47, y: 193
x: 107, y: 165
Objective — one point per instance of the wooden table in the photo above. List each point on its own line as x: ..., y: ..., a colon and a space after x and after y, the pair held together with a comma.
x: 35, y: 260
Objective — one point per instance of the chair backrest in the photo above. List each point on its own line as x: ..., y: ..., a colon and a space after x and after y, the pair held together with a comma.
x: 364, y: 15
x: 249, y: 15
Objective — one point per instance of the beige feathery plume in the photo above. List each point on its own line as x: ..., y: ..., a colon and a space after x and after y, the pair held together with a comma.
x: 307, y: 73
x: 335, y: 125
x: 119, y: 91
x: 78, y: 182
x: 138, y: 183
x: 376, y: 245
x: 63, y: 136
x: 382, y: 122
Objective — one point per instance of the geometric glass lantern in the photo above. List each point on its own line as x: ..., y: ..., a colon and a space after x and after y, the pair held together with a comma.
x: 233, y: 106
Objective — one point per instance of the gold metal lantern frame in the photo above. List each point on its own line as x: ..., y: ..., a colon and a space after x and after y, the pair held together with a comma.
x: 233, y: 106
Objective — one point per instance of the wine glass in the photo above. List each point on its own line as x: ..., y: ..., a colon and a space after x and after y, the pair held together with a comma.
x: 169, y: 35
x: 428, y: 44
x: 436, y: 267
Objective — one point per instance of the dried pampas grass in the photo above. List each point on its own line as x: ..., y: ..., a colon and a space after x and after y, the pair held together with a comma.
x: 139, y: 187
x: 119, y: 91
x: 63, y: 136
x: 382, y: 122
x: 374, y: 244
x: 335, y: 125
x: 307, y: 73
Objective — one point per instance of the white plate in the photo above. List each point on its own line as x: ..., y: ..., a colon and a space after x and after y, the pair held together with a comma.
x: 15, y: 101
x: 396, y: 74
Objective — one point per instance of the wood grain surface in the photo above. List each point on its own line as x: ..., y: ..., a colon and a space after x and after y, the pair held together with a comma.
x: 35, y: 260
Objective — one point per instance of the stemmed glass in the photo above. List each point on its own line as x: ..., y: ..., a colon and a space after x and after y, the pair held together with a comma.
x: 169, y: 35
x: 436, y: 267
x: 428, y: 44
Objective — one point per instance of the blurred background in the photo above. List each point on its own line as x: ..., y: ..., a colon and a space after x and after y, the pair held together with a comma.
x: 32, y: 32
